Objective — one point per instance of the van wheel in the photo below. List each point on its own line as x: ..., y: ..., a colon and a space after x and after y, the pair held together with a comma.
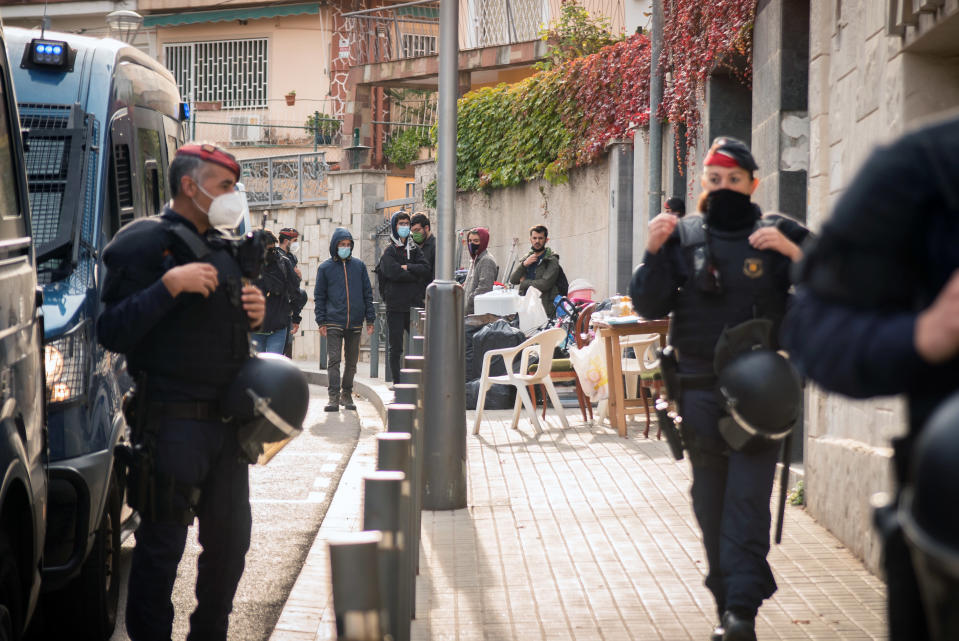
x: 88, y: 605
x: 11, y: 598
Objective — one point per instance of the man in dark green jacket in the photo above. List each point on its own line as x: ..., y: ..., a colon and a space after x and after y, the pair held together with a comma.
x: 539, y: 268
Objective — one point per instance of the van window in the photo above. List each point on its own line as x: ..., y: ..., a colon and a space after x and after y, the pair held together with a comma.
x: 153, y: 171
x: 9, y: 207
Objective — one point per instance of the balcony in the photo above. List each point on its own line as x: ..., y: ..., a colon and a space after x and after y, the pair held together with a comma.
x: 925, y: 26
x: 411, y: 29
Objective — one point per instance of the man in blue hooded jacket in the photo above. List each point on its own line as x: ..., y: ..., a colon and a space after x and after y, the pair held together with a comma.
x: 342, y: 298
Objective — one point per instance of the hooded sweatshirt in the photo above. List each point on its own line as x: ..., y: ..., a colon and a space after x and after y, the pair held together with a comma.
x: 343, y: 295
x: 482, y: 272
x: 402, y: 287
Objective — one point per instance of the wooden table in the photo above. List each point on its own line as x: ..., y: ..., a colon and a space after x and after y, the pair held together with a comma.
x: 619, y: 405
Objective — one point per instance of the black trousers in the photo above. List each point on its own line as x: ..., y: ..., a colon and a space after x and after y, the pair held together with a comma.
x: 338, y: 341
x: 202, y: 454
x: 730, y: 492
x: 397, y: 323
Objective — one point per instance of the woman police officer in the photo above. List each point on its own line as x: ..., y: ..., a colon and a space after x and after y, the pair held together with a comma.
x: 726, y: 268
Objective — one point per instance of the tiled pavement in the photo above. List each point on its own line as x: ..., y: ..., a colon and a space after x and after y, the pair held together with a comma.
x: 581, y: 534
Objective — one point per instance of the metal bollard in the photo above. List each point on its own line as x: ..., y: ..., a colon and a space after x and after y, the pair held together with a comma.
x: 444, y: 433
x: 375, y: 349
x: 381, y: 511
x: 401, y: 419
x: 412, y: 378
x: 323, y: 358
x: 354, y: 569
x: 393, y: 453
x: 418, y: 345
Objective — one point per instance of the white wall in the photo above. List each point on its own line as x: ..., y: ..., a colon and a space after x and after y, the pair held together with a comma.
x: 575, y: 213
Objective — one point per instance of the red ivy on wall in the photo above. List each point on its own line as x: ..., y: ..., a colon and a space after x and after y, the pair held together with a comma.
x: 699, y: 36
x: 611, y: 89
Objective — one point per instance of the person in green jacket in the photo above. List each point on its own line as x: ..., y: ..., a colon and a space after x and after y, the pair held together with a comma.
x: 539, y: 268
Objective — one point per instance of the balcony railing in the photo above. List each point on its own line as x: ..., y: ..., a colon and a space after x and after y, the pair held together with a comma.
x: 411, y: 29
x: 280, y: 181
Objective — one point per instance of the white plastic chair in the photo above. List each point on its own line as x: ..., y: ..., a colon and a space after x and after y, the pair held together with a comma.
x: 644, y: 361
x: 543, y: 344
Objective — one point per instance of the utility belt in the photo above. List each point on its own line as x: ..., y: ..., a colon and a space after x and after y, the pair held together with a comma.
x: 158, y: 496
x: 187, y: 410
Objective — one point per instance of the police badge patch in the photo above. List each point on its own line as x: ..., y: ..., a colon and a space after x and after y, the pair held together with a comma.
x: 753, y: 267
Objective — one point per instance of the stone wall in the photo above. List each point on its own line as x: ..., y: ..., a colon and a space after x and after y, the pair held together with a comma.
x: 863, y: 90
x: 576, y: 214
x: 350, y: 203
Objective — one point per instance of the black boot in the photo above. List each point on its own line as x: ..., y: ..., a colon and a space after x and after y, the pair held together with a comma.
x: 738, y: 628
x: 718, y: 632
x: 333, y: 405
x: 346, y: 399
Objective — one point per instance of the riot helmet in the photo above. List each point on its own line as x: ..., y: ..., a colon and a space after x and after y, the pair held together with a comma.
x: 763, y: 395
x: 268, y: 399
x: 930, y: 522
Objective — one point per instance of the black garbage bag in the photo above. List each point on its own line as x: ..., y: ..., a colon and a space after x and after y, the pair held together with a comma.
x: 495, y: 335
x: 473, y: 324
x: 498, y: 397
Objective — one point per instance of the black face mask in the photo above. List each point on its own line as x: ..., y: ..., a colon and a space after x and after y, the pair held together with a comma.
x: 473, y: 249
x: 729, y: 210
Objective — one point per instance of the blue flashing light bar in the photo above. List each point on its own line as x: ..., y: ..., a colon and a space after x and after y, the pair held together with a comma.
x: 49, y: 53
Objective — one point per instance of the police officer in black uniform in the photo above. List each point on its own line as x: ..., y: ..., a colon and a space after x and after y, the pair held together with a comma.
x: 725, y: 269
x: 877, y: 311
x: 176, y: 306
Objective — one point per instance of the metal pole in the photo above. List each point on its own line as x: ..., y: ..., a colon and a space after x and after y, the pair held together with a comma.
x: 444, y: 447
x: 382, y: 492
x: 393, y: 453
x: 354, y: 570
x: 655, y: 126
x: 375, y: 349
x: 418, y: 346
x: 401, y: 419
x: 446, y: 139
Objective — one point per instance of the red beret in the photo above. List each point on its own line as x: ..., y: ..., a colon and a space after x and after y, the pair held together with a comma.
x: 211, y: 153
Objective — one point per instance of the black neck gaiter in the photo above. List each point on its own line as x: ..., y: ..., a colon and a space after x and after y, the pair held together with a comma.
x: 729, y: 210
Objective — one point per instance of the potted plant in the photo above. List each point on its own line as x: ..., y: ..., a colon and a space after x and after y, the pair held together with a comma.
x: 323, y: 127
x: 291, y: 98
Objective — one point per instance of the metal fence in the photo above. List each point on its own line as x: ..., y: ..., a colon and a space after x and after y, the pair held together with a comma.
x: 305, y: 123
x: 285, y: 180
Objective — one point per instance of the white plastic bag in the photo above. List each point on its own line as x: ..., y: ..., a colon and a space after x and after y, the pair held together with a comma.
x: 589, y: 363
x: 531, y: 312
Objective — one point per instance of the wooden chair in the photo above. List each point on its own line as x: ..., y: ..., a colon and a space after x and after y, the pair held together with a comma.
x: 641, y: 368
x: 563, y: 368
x: 543, y: 344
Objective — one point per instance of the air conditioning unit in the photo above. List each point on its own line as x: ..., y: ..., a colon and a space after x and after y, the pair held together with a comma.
x: 246, y: 129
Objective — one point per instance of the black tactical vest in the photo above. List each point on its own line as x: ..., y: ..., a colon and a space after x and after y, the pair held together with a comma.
x: 754, y: 284
x: 202, y: 340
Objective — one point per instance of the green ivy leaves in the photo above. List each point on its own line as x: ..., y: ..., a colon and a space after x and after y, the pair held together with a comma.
x: 404, y: 147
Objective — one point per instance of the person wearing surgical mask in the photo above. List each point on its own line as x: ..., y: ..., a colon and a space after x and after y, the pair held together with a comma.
x: 289, y: 247
x: 175, y: 304
x: 401, y: 271
x: 483, y: 269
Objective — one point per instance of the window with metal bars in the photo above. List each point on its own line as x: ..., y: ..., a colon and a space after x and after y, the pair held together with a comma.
x: 231, y: 72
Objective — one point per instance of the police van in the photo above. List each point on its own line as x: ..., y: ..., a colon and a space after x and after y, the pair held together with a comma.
x: 23, y: 485
x: 104, y: 121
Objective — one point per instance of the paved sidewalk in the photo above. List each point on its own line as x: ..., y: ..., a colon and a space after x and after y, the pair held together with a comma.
x: 580, y: 534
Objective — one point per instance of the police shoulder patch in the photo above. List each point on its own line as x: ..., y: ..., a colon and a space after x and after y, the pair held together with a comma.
x: 753, y: 267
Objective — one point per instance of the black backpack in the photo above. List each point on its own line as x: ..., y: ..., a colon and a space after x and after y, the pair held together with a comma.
x: 562, y: 283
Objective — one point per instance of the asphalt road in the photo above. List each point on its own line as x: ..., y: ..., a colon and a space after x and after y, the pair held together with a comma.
x: 290, y: 496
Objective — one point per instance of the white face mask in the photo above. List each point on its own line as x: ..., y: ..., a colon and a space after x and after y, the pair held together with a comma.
x: 294, y: 247
x: 226, y: 211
